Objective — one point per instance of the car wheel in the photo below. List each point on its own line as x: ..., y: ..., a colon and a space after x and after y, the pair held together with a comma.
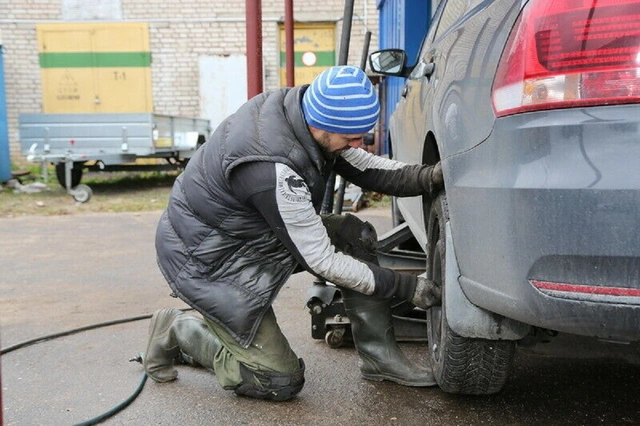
x: 76, y: 174
x: 461, y: 365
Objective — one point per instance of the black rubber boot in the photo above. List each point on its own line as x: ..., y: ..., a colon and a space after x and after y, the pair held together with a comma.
x: 375, y: 341
x: 174, y: 336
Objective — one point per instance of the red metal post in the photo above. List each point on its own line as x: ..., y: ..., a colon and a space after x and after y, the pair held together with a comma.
x: 1, y: 406
x: 254, y: 47
x: 289, y: 52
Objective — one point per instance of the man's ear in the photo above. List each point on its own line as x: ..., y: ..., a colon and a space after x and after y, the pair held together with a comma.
x: 318, y: 134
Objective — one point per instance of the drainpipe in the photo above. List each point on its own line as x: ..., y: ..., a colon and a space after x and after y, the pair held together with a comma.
x: 254, y: 47
x: 339, y: 203
x: 289, y: 52
x: 343, y: 56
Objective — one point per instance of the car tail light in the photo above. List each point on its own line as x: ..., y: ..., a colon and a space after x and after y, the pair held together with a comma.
x: 568, y: 53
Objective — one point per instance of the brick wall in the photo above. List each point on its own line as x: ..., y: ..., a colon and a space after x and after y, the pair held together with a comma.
x: 180, y: 33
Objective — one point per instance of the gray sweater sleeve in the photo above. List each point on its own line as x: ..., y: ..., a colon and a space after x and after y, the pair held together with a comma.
x: 283, y: 199
x: 382, y: 175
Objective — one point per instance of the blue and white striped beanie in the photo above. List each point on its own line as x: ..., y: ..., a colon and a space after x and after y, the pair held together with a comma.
x: 341, y: 100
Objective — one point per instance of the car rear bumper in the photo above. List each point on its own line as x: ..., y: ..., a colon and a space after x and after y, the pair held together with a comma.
x: 545, y: 216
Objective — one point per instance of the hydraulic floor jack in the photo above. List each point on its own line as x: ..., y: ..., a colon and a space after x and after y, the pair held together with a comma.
x: 328, y: 318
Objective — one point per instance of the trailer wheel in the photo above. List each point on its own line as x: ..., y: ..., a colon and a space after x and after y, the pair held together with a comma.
x: 81, y: 193
x: 335, y: 337
x: 76, y: 173
x: 461, y: 365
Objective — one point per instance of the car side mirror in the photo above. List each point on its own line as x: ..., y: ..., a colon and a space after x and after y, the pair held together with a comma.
x: 388, y: 62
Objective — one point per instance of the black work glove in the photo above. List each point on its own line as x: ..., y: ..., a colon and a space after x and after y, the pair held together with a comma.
x: 418, y: 290
x: 432, y: 179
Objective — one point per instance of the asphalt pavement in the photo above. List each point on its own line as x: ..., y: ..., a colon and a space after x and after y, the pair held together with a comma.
x: 65, y: 272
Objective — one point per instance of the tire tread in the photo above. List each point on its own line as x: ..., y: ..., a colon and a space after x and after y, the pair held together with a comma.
x: 462, y: 365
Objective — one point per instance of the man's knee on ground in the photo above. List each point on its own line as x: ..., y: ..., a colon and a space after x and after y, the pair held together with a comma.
x: 269, y: 384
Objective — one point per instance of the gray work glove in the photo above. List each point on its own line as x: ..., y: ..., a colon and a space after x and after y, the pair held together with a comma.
x: 432, y: 179
x: 418, y: 291
x: 427, y: 293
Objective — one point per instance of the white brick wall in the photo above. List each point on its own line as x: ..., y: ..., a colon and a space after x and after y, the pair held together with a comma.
x: 181, y: 31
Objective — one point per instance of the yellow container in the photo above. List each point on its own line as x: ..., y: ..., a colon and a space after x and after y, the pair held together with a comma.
x: 313, y: 50
x: 96, y: 67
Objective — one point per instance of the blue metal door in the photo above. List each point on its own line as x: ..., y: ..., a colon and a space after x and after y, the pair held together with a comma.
x: 403, y: 24
x: 5, y: 163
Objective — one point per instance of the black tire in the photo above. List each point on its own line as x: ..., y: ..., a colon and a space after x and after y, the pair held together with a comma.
x: 461, y: 365
x: 76, y: 174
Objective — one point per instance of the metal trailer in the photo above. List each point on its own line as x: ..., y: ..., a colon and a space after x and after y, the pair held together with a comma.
x: 107, y: 142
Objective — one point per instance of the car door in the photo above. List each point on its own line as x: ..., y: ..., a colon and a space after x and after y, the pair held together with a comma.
x: 436, y: 66
x: 419, y: 116
x: 404, y: 125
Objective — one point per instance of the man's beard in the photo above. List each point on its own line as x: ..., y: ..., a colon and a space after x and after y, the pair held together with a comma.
x: 323, y: 143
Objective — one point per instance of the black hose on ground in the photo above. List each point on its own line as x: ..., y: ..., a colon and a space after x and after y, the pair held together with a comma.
x: 117, y: 408
x: 70, y: 332
x: 121, y: 406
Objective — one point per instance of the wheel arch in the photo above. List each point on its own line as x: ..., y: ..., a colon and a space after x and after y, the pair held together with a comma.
x: 430, y: 150
x: 430, y: 156
x: 467, y: 319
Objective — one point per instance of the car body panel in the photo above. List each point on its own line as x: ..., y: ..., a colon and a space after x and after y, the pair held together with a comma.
x: 552, y: 196
x: 549, y: 196
x: 467, y: 319
x: 453, y: 89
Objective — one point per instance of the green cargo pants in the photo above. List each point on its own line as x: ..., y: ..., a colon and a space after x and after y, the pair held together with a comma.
x: 270, y: 351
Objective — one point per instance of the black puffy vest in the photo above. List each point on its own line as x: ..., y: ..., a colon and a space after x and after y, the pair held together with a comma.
x: 218, y: 254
